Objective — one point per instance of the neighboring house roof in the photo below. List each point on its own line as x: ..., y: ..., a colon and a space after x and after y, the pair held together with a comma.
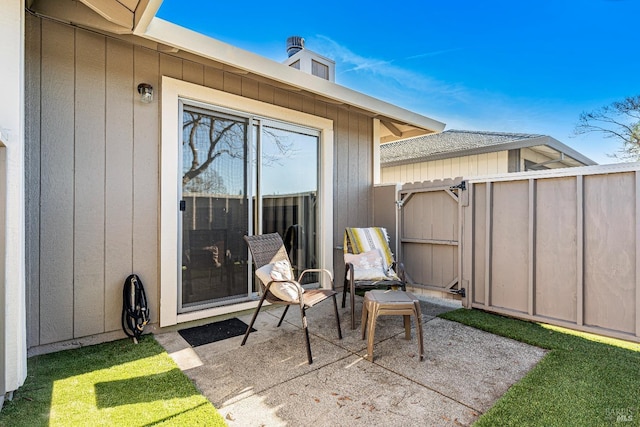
x: 137, y: 17
x: 458, y: 143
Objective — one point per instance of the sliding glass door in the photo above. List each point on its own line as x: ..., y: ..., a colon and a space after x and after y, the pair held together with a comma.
x: 288, y: 189
x: 241, y: 175
x: 215, y: 212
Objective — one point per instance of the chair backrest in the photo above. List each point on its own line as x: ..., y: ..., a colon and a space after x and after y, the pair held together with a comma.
x: 360, y: 240
x: 266, y: 248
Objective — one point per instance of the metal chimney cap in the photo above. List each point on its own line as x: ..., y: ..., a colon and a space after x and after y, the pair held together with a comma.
x: 294, y: 45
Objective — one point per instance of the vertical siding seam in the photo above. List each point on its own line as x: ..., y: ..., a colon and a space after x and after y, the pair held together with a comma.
x: 133, y: 157
x: 104, y: 195
x: 73, y: 215
x: 368, y: 124
x: 580, y: 250
x: 368, y: 142
x: 488, y: 243
x: 133, y: 151
x: 470, y: 210
x: 532, y: 247
x: 40, y: 191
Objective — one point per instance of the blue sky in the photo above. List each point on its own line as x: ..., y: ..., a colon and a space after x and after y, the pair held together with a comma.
x: 497, y: 65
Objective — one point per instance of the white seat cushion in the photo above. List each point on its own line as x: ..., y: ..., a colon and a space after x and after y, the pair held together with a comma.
x: 368, y: 265
x: 280, y: 270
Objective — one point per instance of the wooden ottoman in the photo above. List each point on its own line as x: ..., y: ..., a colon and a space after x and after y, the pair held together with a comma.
x: 389, y: 302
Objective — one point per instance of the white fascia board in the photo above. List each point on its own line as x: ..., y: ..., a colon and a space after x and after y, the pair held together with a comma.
x: 165, y: 32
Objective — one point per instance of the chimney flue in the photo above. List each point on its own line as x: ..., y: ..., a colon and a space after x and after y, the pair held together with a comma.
x: 294, y: 45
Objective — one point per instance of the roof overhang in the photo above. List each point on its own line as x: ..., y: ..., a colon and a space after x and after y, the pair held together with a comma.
x: 551, y: 148
x: 400, y: 123
x: 546, y: 145
x: 137, y: 17
x: 111, y: 16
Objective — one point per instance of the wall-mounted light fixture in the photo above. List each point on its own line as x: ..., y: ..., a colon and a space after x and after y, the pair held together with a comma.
x: 146, y: 92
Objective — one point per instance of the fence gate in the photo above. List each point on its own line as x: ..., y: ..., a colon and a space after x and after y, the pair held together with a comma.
x: 430, y: 218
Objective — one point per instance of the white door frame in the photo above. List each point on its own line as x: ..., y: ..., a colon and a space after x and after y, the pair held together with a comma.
x: 172, y: 91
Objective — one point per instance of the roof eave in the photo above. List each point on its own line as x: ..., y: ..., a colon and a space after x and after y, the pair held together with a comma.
x: 512, y: 145
x: 563, y: 148
x: 145, y: 12
x: 161, y: 31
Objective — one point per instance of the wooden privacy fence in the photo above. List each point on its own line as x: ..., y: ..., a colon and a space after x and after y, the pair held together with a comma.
x: 559, y: 247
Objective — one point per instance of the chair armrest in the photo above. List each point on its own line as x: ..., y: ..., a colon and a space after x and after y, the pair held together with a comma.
x: 317, y: 270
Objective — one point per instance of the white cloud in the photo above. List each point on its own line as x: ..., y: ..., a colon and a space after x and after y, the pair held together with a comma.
x: 457, y: 105
x: 387, y: 72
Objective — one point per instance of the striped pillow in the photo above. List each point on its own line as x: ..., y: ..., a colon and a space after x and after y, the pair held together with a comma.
x: 360, y: 240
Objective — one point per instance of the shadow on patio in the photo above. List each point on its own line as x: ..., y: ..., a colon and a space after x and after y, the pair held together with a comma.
x: 269, y: 382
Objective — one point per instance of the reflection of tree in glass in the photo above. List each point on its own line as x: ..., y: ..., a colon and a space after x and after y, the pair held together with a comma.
x: 209, y: 138
x: 213, y: 184
x: 280, y: 147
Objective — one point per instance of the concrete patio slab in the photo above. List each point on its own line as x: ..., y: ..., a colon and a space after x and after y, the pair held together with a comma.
x: 473, y: 367
x: 268, y: 382
x: 350, y: 392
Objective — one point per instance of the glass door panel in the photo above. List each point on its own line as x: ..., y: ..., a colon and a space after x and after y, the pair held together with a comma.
x: 288, y: 183
x: 215, y: 214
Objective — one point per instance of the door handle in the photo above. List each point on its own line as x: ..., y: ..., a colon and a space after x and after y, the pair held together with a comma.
x: 183, y: 205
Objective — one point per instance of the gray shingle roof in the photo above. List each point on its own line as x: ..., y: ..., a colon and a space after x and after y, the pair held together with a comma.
x: 449, y: 143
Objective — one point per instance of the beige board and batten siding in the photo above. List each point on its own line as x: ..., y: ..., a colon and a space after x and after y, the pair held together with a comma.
x: 93, y: 176
x: 95, y: 222
x: 473, y: 165
x: 497, y: 162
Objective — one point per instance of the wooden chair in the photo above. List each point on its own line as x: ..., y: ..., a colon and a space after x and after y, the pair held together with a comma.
x: 269, y: 249
x: 358, y: 280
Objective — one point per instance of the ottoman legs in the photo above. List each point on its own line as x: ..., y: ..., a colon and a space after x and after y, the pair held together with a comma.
x: 402, y: 303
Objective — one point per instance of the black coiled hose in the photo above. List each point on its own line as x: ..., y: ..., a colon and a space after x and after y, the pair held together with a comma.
x: 135, y: 311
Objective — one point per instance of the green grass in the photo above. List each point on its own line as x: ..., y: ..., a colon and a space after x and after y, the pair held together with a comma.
x: 584, y: 380
x: 111, y: 384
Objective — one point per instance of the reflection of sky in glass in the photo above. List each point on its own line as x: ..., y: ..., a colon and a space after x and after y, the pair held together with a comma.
x: 225, y: 174
x: 289, y: 162
x: 289, y: 159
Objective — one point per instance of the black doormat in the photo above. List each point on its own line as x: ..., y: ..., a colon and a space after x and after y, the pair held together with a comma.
x: 218, y: 331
